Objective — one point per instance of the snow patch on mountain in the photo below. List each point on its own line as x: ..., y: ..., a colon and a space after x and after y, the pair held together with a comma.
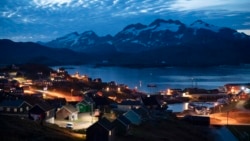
x: 167, y: 26
x: 202, y: 25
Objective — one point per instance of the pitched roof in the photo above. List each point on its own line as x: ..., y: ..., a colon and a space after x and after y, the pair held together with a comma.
x: 130, y: 102
x: 84, y: 102
x: 12, y: 103
x: 123, y: 120
x: 142, y: 112
x: 39, y: 102
x: 70, y: 108
x: 105, y: 123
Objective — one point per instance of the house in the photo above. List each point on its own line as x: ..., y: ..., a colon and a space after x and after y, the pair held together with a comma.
x: 68, y: 112
x: 102, y: 130
x: 137, y: 116
x: 42, y: 111
x: 133, y: 117
x: 143, y: 112
x: 126, y: 105
x: 121, y: 125
x: 17, y: 107
x: 84, y: 106
x: 235, y: 88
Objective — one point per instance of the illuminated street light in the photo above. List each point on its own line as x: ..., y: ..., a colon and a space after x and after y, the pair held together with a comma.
x: 242, y: 88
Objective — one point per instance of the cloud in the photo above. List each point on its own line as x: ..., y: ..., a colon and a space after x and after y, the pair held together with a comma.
x: 230, y: 5
x: 246, y: 31
x: 41, y: 17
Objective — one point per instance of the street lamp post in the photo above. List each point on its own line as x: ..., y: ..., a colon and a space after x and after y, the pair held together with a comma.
x: 91, y: 112
x: 227, y: 117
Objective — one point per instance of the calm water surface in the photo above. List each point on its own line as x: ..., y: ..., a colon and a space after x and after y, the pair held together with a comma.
x: 169, y: 77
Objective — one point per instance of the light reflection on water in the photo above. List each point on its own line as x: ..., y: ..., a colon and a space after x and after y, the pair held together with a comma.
x: 179, y: 107
x: 169, y: 77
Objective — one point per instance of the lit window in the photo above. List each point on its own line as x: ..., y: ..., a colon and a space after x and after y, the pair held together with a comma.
x: 8, y: 109
x: 27, y: 108
x: 21, y: 109
x: 15, y: 109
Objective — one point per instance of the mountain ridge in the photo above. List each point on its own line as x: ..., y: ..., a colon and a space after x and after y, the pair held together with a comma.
x: 159, y: 33
x: 160, y: 43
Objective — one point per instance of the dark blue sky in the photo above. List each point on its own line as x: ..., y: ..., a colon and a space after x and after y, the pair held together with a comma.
x: 44, y: 20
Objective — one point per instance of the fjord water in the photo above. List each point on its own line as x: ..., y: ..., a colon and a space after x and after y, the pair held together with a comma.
x: 167, y: 77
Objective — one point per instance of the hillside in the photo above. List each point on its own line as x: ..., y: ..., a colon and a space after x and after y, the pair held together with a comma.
x: 28, y: 52
x: 161, y: 43
x: 16, y: 129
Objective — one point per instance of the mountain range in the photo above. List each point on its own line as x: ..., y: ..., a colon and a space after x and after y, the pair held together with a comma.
x: 161, y: 43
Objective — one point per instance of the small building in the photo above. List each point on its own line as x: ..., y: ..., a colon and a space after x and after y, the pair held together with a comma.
x: 42, y: 111
x: 17, y: 107
x: 137, y: 116
x: 133, y: 117
x: 84, y: 106
x: 102, y: 130
x: 122, y: 125
x: 67, y: 112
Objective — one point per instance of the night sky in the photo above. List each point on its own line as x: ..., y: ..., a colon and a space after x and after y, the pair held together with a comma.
x: 44, y: 20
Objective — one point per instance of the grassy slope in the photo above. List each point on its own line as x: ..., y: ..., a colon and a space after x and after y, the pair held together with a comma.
x: 241, y: 132
x: 168, y: 130
x: 14, y: 128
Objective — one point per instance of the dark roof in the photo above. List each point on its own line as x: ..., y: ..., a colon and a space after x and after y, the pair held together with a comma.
x: 123, y: 120
x: 130, y: 102
x: 39, y: 102
x: 142, y: 112
x: 12, y: 103
x: 45, y: 106
x: 36, y: 110
x: 105, y: 123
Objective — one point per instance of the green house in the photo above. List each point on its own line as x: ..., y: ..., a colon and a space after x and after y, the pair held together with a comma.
x: 83, y: 107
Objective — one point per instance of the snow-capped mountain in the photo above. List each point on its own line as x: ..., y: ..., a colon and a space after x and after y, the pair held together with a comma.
x: 85, y: 42
x: 138, y: 37
x: 164, y: 42
x: 161, y: 43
